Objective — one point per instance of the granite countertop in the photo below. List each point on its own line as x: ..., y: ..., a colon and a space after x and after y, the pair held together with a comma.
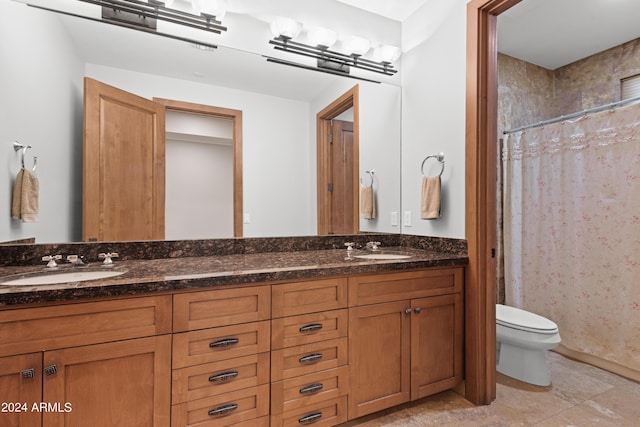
x: 168, y: 274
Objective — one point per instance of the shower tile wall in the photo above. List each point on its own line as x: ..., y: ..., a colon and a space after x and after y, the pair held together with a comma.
x: 528, y: 94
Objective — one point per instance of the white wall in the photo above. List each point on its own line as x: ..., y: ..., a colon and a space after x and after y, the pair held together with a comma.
x: 275, y: 146
x: 42, y: 108
x: 433, y: 112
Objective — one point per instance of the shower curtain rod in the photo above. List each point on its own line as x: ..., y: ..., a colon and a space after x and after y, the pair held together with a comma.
x: 574, y: 115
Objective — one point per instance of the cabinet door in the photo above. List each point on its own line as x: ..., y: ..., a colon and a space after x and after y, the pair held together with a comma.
x: 379, y: 346
x: 436, y: 344
x: 123, y: 383
x: 20, y: 389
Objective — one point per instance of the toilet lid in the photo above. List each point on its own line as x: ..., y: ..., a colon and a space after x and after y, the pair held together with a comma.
x: 516, y: 318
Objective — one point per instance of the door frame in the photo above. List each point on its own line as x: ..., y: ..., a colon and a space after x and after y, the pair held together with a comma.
x: 481, y: 166
x: 236, y: 117
x: 347, y: 100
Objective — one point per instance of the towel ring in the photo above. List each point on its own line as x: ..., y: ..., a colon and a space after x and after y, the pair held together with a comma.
x: 17, y: 147
x: 370, y: 172
x: 439, y: 157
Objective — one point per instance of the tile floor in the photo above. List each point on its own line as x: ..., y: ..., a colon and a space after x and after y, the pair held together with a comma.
x: 580, y: 395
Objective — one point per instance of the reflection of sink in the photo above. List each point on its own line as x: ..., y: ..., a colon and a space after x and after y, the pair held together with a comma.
x: 382, y: 256
x: 51, y: 278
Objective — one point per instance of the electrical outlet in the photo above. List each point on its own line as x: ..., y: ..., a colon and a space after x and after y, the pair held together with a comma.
x: 407, y: 219
x: 246, y: 218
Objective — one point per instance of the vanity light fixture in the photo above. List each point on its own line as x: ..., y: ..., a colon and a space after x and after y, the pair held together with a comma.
x: 144, y: 15
x: 319, y: 42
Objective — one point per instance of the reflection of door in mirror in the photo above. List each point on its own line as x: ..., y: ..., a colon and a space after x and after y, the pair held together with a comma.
x: 125, y: 165
x: 123, y: 158
x: 338, y: 164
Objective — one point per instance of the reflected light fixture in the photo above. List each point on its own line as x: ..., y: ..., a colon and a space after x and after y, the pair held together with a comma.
x: 320, y: 40
x: 143, y: 16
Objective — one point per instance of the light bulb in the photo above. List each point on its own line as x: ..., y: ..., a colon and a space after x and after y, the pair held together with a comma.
x: 356, y: 46
x: 323, y: 38
x: 217, y: 8
x: 387, y: 53
x: 285, y: 27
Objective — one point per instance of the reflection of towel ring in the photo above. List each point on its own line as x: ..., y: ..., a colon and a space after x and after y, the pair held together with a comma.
x: 17, y: 147
x: 439, y: 157
x: 370, y: 172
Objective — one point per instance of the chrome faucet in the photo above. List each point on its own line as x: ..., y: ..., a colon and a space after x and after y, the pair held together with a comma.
x: 374, y: 246
x: 51, y: 260
x: 75, y: 260
x: 107, y: 257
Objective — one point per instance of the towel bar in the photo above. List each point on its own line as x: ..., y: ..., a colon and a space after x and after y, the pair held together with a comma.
x: 439, y: 157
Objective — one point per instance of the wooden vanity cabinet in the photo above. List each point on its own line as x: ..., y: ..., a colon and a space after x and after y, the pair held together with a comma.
x: 99, y: 363
x: 403, y: 349
x: 309, y: 351
x: 221, y: 357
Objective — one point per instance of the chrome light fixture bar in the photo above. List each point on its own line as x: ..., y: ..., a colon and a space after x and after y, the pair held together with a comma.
x: 143, y: 16
x: 138, y: 12
x: 338, y: 63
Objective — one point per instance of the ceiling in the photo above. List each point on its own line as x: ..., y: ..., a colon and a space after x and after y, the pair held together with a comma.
x: 398, y: 10
x: 554, y: 33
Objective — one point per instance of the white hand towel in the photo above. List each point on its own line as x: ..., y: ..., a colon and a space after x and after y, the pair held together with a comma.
x: 24, y: 203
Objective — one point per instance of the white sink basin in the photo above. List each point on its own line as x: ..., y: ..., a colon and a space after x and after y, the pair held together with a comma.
x: 382, y: 256
x: 51, y: 278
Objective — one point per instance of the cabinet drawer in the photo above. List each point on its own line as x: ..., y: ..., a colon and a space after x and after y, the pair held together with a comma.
x: 309, y: 389
x: 406, y: 285
x: 305, y: 359
x: 328, y: 413
x: 215, y: 344
x: 238, y: 408
x: 48, y: 328
x: 210, y: 379
x: 308, y: 328
x: 200, y: 310
x: 291, y: 299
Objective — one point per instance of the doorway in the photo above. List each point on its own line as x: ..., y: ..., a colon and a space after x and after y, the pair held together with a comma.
x: 233, y: 150
x: 338, y: 165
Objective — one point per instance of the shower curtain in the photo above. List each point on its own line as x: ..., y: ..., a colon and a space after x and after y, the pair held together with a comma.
x: 572, y: 232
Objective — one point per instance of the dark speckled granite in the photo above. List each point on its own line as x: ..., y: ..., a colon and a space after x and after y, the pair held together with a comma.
x: 167, y: 266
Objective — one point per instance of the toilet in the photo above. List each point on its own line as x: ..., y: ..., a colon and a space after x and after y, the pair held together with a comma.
x: 522, y: 341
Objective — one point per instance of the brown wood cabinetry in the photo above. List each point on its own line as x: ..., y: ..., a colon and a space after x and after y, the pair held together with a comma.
x: 317, y: 352
x: 221, y: 357
x: 101, y: 364
x: 404, y: 349
x: 309, y: 356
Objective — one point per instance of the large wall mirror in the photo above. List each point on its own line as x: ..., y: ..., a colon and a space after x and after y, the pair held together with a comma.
x: 46, y: 57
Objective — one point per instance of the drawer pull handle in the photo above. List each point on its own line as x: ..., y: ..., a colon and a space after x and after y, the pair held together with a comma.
x: 224, y: 343
x: 311, y: 358
x: 310, y: 418
x: 417, y: 310
x: 28, y: 373
x: 311, y: 327
x: 221, y: 410
x: 311, y: 388
x: 51, y: 370
x: 223, y: 377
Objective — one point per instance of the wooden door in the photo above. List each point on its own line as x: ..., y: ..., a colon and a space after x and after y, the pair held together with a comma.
x: 342, y: 178
x: 123, y: 383
x: 20, y: 389
x: 379, y: 359
x: 436, y: 344
x: 124, y: 157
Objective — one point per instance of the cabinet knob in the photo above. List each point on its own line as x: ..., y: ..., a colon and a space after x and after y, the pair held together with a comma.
x: 311, y: 388
x: 51, y: 370
x: 28, y: 373
x: 310, y: 418
x: 223, y: 343
x: 311, y: 327
x: 311, y: 358
x: 221, y: 410
x: 417, y: 310
x: 407, y: 311
x: 223, y: 377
